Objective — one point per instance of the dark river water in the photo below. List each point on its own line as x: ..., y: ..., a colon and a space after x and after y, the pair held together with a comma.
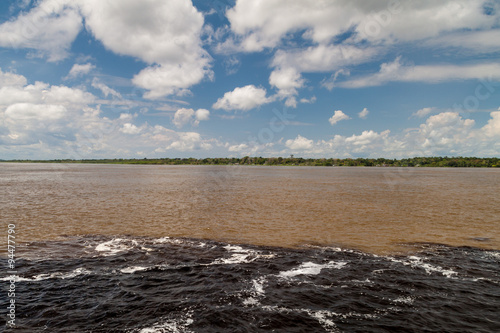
x: 120, y: 248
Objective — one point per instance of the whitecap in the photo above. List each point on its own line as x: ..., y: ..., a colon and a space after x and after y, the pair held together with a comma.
x: 133, y: 269
x: 310, y: 268
x: 417, y: 262
x: 115, y: 246
x: 171, y: 325
x: 404, y: 300
x: 56, y: 275
x: 240, y: 256
x: 257, y: 291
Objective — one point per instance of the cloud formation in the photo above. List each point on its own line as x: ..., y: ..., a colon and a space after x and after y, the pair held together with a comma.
x: 184, y: 116
x: 338, y: 116
x: 397, y: 72
x: 243, y: 98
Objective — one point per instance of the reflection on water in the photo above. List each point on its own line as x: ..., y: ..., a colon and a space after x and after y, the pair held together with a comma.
x: 373, y: 209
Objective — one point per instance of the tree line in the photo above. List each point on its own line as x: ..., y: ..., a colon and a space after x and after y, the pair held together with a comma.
x: 465, y: 162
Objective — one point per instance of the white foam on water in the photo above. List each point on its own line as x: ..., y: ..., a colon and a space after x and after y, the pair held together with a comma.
x: 404, y: 299
x: 310, y: 268
x: 162, y: 240
x: 133, y: 269
x: 115, y: 246
x: 363, y: 282
x: 493, y: 254
x: 257, y: 291
x: 323, y: 317
x: 57, y: 275
x: 240, y: 256
x: 258, y: 285
x: 418, y: 262
x: 171, y: 326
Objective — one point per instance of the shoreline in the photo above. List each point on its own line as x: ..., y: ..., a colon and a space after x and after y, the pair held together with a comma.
x: 436, y: 162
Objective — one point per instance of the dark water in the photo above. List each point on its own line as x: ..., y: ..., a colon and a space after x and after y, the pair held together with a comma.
x: 144, y: 284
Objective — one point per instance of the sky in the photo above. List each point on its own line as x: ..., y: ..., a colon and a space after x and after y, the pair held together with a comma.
x: 86, y: 79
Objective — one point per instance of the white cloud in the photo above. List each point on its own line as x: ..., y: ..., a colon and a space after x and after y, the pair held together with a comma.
x: 410, y: 21
x: 44, y: 121
x: 395, y: 71
x: 345, y: 33
x: 308, y: 101
x: 243, y: 98
x: 364, y: 113
x: 338, y: 116
x: 171, y: 79
x: 446, y: 133
x: 366, y: 138
x: 238, y: 148
x: 79, y: 69
x: 11, y: 79
x: 165, y: 34
x: 184, y: 116
x: 202, y: 114
x: 483, y: 41
x: 262, y: 24
x: 129, y: 128
x: 182, y: 141
x: 423, y: 112
x: 265, y: 24
x: 35, y: 112
x: 492, y: 128
x: 42, y: 93
x: 299, y: 143
x: 287, y: 81
x: 49, y: 28
x: 330, y: 82
x: 323, y: 58
x: 105, y: 89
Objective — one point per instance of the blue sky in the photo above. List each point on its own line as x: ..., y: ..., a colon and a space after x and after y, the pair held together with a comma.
x: 158, y: 78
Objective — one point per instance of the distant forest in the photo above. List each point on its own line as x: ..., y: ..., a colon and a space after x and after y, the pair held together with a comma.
x: 465, y: 162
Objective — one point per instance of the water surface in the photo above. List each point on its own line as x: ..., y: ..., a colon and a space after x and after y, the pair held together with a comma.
x: 372, y: 209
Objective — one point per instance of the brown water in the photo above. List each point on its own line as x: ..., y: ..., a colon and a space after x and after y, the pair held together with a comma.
x: 371, y: 209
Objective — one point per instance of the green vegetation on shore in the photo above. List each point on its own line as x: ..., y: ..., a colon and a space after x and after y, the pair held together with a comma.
x: 247, y: 160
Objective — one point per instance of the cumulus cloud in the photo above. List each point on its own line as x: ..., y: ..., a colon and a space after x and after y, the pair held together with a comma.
x: 492, y: 128
x: 287, y: 81
x: 43, y: 121
x: 35, y: 112
x: 264, y: 24
x: 184, y: 116
x: 49, y: 29
x: 164, y: 34
x: 167, y: 139
x: 299, y: 143
x: 238, y: 148
x: 346, y: 33
x: 446, y: 133
x: 338, y: 116
x: 364, y: 113
x: 129, y: 128
x: 202, y: 114
x: 11, y: 79
x: 243, y: 98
